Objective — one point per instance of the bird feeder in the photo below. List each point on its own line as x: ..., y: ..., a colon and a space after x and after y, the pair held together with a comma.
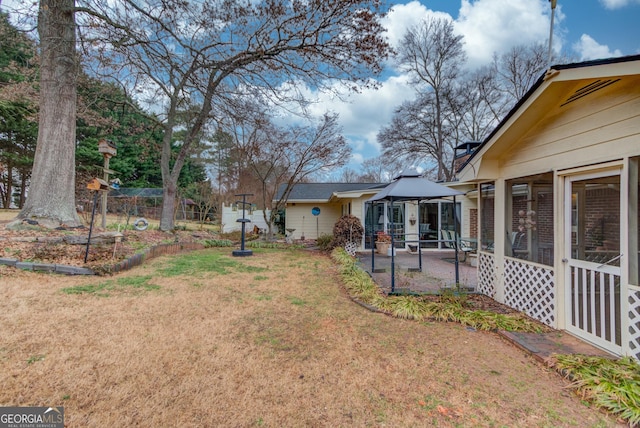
x: 107, y: 148
x: 98, y: 184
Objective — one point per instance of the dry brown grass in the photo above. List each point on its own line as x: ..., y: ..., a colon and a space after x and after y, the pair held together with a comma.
x: 278, y: 344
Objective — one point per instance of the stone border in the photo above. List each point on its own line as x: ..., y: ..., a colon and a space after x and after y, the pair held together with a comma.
x: 152, y: 252
x: 133, y: 261
x: 46, y: 267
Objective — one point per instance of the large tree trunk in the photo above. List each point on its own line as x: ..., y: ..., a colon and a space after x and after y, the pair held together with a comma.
x: 51, y: 196
x: 169, y: 181
x: 167, y: 219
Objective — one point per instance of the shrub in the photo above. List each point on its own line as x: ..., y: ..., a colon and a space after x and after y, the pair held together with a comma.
x: 347, y: 229
x: 325, y: 242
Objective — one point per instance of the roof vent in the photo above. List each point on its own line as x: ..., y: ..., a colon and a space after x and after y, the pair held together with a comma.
x: 589, y: 89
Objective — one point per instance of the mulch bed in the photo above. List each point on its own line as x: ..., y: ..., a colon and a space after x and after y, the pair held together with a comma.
x: 51, y: 246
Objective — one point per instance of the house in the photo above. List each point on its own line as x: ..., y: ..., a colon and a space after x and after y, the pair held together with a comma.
x: 557, y: 186
x: 312, y: 210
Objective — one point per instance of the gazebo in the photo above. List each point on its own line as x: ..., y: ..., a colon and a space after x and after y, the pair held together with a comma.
x: 411, y: 186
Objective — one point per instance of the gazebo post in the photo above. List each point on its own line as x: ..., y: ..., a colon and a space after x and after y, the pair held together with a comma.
x: 373, y: 242
x: 373, y: 250
x: 393, y: 265
x: 455, y: 239
x: 419, y: 239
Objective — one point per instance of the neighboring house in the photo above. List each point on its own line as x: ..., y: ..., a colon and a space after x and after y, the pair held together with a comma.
x: 557, y: 184
x: 312, y: 210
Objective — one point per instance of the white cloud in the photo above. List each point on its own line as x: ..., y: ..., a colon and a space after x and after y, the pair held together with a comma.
x: 357, y: 158
x: 364, y: 113
x: 588, y: 49
x: 490, y: 26
x: 361, y: 115
x: 617, y: 4
x: 404, y: 16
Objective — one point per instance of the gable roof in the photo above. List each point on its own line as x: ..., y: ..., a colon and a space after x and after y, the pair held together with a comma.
x: 553, y: 89
x: 322, y: 192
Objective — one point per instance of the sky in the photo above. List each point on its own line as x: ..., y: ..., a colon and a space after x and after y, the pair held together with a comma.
x: 583, y: 29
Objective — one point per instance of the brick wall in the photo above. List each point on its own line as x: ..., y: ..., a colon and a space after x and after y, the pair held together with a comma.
x: 473, y: 222
x: 602, y: 218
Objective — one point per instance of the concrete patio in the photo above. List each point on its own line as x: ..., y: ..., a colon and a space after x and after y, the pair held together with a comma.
x: 438, y: 271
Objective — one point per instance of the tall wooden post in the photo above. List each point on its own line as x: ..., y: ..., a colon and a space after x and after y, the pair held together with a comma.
x: 108, y: 149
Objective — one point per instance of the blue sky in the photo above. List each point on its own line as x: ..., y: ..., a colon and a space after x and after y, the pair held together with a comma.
x: 584, y: 29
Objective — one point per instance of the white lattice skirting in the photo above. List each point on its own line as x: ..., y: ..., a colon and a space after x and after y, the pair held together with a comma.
x: 634, y: 322
x: 530, y: 288
x: 487, y: 275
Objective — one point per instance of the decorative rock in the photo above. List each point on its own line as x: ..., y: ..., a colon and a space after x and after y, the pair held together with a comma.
x: 73, y: 270
x: 43, y: 267
x: 24, y: 265
x: 23, y: 239
x: 102, y: 238
x: 50, y: 239
x: 8, y: 261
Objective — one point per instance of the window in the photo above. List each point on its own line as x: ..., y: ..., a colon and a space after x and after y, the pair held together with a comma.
x: 428, y: 224
x: 529, y: 218
x: 374, y: 222
x: 395, y: 215
x: 487, y: 215
x: 436, y: 216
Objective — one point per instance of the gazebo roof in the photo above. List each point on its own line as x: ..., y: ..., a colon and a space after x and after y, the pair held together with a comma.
x: 411, y: 186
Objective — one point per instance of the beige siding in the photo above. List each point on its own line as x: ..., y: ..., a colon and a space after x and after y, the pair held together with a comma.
x: 591, y: 130
x: 300, y: 218
x: 357, y: 208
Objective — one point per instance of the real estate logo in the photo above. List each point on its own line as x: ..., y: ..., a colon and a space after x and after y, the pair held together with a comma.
x: 31, y: 417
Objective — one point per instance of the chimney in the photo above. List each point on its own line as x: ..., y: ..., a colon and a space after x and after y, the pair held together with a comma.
x: 462, y: 153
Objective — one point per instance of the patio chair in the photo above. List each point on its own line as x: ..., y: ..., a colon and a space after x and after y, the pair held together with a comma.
x: 517, y: 248
x: 464, y: 247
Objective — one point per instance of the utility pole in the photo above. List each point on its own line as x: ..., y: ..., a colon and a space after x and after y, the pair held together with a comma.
x: 553, y: 10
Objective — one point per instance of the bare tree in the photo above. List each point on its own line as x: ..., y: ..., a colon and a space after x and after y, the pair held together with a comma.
x: 380, y: 169
x: 519, y: 68
x: 433, y: 56
x: 51, y: 198
x: 349, y: 175
x: 203, y: 52
x: 413, y: 135
x: 285, y: 156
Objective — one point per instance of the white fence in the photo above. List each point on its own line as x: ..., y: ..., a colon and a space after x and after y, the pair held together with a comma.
x: 230, y: 216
